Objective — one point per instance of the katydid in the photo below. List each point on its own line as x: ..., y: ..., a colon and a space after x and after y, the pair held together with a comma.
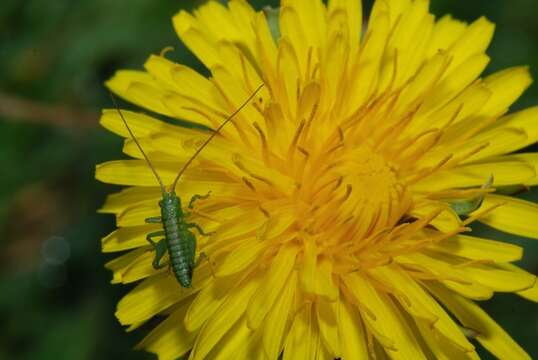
x: 176, y: 236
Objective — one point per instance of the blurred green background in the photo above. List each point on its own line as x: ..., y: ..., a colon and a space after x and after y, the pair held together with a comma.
x: 55, y: 298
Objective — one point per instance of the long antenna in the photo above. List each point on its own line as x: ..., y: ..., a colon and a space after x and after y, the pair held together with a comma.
x: 213, y: 135
x: 163, y: 189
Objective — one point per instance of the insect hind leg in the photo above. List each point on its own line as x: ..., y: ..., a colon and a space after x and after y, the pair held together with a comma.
x: 152, y: 235
x: 198, y: 197
x: 160, y: 248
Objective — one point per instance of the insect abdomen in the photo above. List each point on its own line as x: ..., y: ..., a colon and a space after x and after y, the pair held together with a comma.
x: 181, y: 259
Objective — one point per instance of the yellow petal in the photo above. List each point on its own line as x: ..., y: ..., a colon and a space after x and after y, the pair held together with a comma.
x: 235, y: 225
x: 303, y: 337
x: 505, y: 172
x: 241, y: 257
x: 446, y: 221
x: 288, y: 69
x: 322, y: 353
x: 326, y: 312
x: 235, y: 93
x: 324, y: 285
x: 465, y: 104
x: 421, y: 305
x: 242, y: 13
x: 169, y: 340
x: 131, y: 149
x: 445, y: 32
x: 197, y: 40
x: 118, y: 202
x: 490, y: 334
x: 141, y: 89
x: 191, y: 88
x: 206, y: 302
x: 475, y: 248
x: 365, y: 74
x: 217, y: 21
x: 242, y: 66
x: 137, y: 173
x: 308, y: 273
x: 423, y: 81
x: 384, y: 318
x: 237, y: 343
x: 225, y: 317
x: 265, y: 296
x: 455, y: 82
x: 312, y: 20
x: 406, y: 291
x: 261, y: 173
x: 515, y: 216
x: 141, y: 268
x: 530, y: 159
x: 156, y: 134
x: 524, y: 123
x: 191, y: 112
x: 500, y: 141
x: 121, y: 264
x: 294, y: 34
x: 334, y: 67
x: 353, y: 19
x: 441, y: 348
x: 408, y: 42
x: 140, y: 124
x: 506, y: 87
x: 149, y: 298
x: 265, y: 49
x: 136, y: 215
x: 277, y: 319
x: 454, y: 278
x: 395, y: 8
x: 127, y: 238
x: 278, y: 223
x: 351, y: 332
x: 498, y: 279
x: 475, y: 39
x: 133, y: 172
x: 532, y: 292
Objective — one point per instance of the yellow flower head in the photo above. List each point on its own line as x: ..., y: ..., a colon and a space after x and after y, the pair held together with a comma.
x: 341, y: 197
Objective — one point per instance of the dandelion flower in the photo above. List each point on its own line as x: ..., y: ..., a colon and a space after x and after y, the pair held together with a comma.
x: 342, y: 198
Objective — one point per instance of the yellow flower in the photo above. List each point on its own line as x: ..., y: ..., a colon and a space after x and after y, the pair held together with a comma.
x: 341, y: 198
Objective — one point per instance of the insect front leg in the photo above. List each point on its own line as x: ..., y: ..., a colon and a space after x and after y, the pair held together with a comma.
x: 154, y: 220
x: 197, y: 227
x: 198, y: 197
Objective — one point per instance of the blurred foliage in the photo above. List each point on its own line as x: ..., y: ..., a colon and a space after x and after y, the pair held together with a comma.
x: 56, y: 301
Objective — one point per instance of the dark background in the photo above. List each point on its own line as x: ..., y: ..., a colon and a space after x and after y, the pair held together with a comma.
x: 55, y: 298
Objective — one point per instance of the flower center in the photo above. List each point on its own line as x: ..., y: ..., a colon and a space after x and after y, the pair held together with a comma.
x: 352, y: 194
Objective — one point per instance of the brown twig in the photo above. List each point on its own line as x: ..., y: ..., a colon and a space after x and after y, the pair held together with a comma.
x: 17, y: 108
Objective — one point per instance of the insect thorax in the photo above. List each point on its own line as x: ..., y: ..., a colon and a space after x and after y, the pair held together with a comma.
x: 170, y: 205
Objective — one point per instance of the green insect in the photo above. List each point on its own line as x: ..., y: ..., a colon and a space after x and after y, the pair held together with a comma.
x: 176, y: 236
